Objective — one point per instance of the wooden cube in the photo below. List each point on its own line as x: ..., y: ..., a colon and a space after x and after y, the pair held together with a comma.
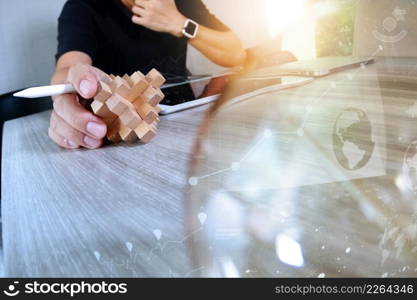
x: 118, y: 104
x: 129, y: 106
x: 157, y: 109
x: 145, y: 132
x: 137, y: 90
x: 132, y: 93
x: 113, y: 131
x: 160, y: 94
x: 154, y: 125
x: 123, y: 91
x: 155, y: 78
x: 117, y: 82
x: 152, y: 96
x: 101, y: 110
x: 104, y: 92
x: 130, y: 118
x: 128, y: 80
x: 136, y: 77
x: 128, y: 135
x: 146, y: 111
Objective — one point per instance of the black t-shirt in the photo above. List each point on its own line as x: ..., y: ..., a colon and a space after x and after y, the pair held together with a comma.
x: 103, y: 29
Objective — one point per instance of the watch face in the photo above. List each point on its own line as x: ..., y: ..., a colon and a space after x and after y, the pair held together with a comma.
x: 191, y: 28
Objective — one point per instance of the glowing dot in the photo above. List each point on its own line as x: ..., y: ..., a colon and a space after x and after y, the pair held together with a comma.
x: 316, y: 230
x: 321, y: 275
x: 348, y: 250
x: 235, y: 166
x: 300, y: 132
x: 157, y: 233
x: 289, y: 251
x: 380, y: 48
x: 193, y: 181
x: 202, y: 217
x: 267, y: 133
x: 323, y: 247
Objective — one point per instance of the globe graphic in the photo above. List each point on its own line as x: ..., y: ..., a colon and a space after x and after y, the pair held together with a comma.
x: 352, y: 139
x: 410, y: 167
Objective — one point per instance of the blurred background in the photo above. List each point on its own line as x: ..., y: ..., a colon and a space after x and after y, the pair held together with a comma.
x: 306, y: 28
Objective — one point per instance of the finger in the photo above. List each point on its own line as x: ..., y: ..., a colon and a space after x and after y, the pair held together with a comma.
x: 73, y: 137
x: 70, y: 110
x: 61, y: 141
x: 138, y: 11
x: 138, y: 20
x: 85, y: 79
x: 141, y: 3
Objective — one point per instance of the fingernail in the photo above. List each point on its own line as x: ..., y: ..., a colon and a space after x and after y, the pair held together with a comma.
x: 93, y: 143
x: 85, y: 87
x: 96, y: 129
x: 71, y: 144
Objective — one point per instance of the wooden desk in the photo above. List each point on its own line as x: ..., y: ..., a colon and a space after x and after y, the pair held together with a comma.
x: 95, y: 213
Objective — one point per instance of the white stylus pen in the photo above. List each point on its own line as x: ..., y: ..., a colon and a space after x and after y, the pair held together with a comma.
x: 59, y: 89
x: 45, y: 91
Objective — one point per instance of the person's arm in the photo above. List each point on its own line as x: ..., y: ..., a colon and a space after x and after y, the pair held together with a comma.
x: 222, y: 47
x: 72, y: 125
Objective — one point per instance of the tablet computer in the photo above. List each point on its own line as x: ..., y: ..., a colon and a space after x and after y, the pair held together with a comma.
x: 206, y: 89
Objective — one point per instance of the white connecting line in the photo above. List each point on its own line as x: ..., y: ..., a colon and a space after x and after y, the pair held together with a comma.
x: 148, y: 256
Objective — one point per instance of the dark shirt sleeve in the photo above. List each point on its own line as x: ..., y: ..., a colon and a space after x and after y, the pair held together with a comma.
x: 77, y: 29
x: 198, y: 11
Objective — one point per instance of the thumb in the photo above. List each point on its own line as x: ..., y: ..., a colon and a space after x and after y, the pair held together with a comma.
x: 87, y: 86
x: 84, y: 80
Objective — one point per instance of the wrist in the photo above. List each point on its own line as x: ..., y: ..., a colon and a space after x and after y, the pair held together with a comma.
x: 178, y: 26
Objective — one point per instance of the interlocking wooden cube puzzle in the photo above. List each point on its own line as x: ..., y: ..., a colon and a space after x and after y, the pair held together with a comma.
x: 129, y: 105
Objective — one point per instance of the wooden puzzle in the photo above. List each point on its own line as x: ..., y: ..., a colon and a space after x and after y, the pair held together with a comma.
x: 129, y: 106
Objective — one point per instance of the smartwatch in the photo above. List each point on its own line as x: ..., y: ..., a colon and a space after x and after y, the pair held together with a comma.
x: 190, y: 29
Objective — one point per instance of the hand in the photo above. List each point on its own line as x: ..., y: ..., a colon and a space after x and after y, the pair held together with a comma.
x: 72, y: 125
x: 159, y: 15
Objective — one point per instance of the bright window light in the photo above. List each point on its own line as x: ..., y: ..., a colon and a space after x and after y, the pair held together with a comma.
x: 283, y: 13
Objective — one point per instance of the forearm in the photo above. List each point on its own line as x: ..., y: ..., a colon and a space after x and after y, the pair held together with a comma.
x: 223, y: 48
